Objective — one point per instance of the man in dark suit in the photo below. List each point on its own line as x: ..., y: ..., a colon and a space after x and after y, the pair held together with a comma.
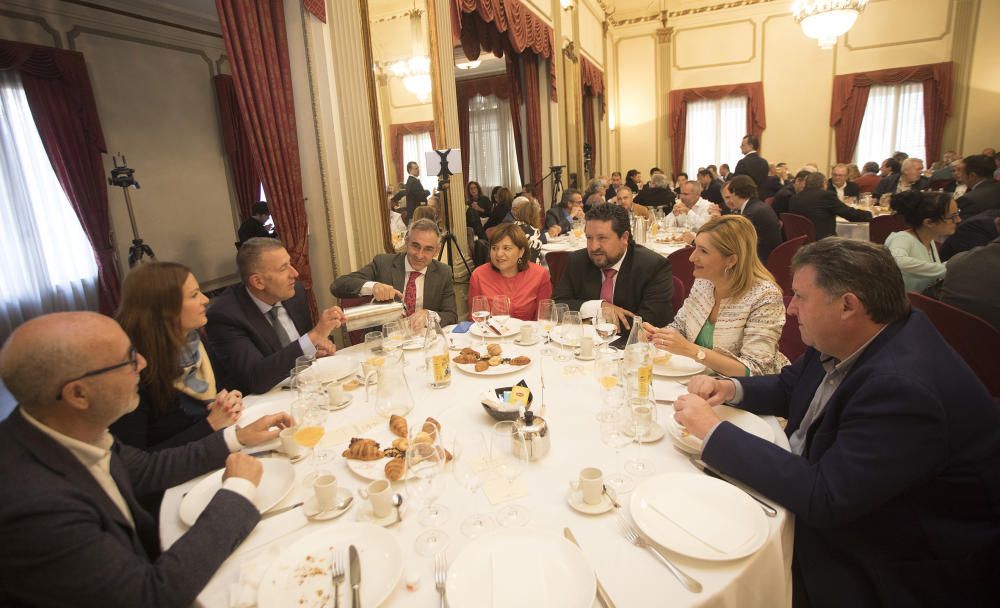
x: 908, y: 178
x: 657, y: 193
x: 416, y: 195
x: 254, y: 226
x: 822, y: 207
x: 560, y: 217
x: 839, y: 185
x: 983, y: 192
x: 894, y: 470
x: 740, y: 195
x: 71, y: 529
x: 711, y: 189
x: 973, y: 276
x: 259, y: 327
x: 422, y: 282
x: 775, y: 182
x: 974, y: 232
x: 783, y: 198
x: 752, y: 163
x: 633, y: 279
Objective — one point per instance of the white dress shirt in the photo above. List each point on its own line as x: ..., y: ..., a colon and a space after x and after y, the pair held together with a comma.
x: 369, y: 286
x: 588, y: 309
x: 839, y: 190
x: 693, y: 219
x: 308, y: 348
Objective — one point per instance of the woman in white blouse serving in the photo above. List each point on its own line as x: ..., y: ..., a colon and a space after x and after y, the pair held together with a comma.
x: 931, y: 216
x: 733, y: 317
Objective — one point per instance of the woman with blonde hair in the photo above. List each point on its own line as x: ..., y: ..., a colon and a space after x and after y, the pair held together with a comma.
x: 733, y: 317
x: 528, y: 215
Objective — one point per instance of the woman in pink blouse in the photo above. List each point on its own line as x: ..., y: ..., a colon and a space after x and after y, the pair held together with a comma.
x: 509, y: 273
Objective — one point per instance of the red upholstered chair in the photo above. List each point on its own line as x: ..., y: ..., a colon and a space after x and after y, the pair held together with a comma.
x: 798, y: 225
x: 790, y: 343
x: 974, y: 339
x: 557, y: 264
x: 680, y: 294
x: 780, y: 262
x: 357, y: 336
x: 682, y: 267
x: 769, y: 200
x: 881, y: 227
x: 491, y: 230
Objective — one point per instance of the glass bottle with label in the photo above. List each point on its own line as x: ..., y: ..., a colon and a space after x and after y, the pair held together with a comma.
x: 438, y: 356
x: 638, y: 362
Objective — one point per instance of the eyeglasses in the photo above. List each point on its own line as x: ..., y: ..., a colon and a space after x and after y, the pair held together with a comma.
x: 951, y: 218
x: 133, y: 360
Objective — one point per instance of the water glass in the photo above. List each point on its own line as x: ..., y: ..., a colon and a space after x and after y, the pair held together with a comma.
x: 480, y: 311
x: 509, y: 463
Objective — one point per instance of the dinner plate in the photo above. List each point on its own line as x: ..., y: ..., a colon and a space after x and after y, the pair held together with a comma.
x: 678, y: 366
x: 559, y: 338
x: 371, y: 469
x: 699, y: 516
x: 275, y: 483
x: 496, y: 370
x: 510, y: 328
x: 332, y: 368
x: 300, y: 576
x: 517, y: 567
x: 750, y: 423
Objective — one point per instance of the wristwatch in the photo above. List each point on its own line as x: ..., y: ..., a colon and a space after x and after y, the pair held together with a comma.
x: 700, y: 355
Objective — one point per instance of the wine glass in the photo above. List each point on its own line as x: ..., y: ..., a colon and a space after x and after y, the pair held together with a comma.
x: 614, y: 433
x: 500, y: 310
x: 509, y: 458
x: 470, y: 453
x: 641, y: 418
x: 604, y: 325
x: 571, y: 330
x: 310, y: 430
x: 547, y: 319
x: 481, y: 314
x: 607, y: 372
x: 560, y: 310
x: 396, y: 334
x: 425, y: 466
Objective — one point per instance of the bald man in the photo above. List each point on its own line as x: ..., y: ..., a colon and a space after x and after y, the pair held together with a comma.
x: 71, y: 530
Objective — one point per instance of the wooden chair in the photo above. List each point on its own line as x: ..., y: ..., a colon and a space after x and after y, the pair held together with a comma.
x: 882, y: 226
x: 357, y: 336
x: 790, y: 343
x: 975, y: 340
x: 682, y: 267
x: 798, y: 225
x: 680, y: 294
x: 780, y: 262
x: 557, y: 264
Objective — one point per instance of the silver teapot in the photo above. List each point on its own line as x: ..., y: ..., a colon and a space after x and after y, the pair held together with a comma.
x: 530, y: 434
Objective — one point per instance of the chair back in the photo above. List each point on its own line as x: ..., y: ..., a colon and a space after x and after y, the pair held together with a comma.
x: 975, y: 340
x: 779, y: 263
x: 680, y: 294
x: 770, y: 201
x: 790, y: 343
x: 358, y: 335
x: 882, y: 226
x: 681, y: 266
x: 491, y: 230
x: 556, y: 261
x: 798, y: 225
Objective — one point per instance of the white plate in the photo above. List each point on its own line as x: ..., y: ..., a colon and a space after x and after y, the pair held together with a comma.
x: 517, y: 567
x: 497, y: 370
x: 699, y: 516
x: 678, y: 366
x: 333, y: 368
x: 557, y: 336
x: 511, y: 328
x: 293, y: 580
x: 575, y: 500
x: 372, y: 469
x: 750, y: 423
x: 276, y: 482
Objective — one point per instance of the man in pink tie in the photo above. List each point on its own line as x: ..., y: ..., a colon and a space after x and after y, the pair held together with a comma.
x: 415, y: 277
x: 631, y: 278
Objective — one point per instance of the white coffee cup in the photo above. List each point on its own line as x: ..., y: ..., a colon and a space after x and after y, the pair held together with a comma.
x: 379, y: 493
x: 325, y: 486
x: 587, y: 346
x: 335, y: 394
x: 591, y: 485
x: 527, y: 333
x: 288, y: 444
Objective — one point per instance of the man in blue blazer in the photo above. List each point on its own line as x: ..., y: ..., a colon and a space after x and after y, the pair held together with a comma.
x: 894, y: 471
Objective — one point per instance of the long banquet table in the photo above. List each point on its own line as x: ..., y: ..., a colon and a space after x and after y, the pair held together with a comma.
x: 631, y: 576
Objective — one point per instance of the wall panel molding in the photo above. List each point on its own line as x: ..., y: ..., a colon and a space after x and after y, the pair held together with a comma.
x: 948, y: 23
x: 677, y: 35
x: 38, y: 20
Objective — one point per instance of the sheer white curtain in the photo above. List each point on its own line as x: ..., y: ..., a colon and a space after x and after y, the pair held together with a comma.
x: 492, y: 149
x: 894, y: 120
x: 46, y: 261
x: 715, y: 128
x: 415, y: 146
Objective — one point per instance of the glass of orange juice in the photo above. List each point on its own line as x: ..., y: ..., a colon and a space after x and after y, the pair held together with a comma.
x: 310, y: 430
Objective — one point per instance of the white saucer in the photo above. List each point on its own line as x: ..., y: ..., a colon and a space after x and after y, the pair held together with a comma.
x: 365, y: 515
x: 580, y: 357
x: 292, y: 459
x: 311, y: 506
x: 575, y: 500
x: 518, y: 341
x: 654, y: 434
x: 339, y: 406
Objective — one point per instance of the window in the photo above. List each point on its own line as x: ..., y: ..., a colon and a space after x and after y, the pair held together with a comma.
x: 492, y: 149
x: 46, y: 261
x: 415, y: 148
x: 715, y: 128
x: 894, y: 121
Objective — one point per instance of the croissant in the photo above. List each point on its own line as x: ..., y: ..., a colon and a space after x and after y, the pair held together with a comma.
x: 363, y: 449
x: 397, y: 424
x: 395, y: 469
x: 423, y: 437
x: 431, y: 426
x: 400, y: 443
x: 521, y: 360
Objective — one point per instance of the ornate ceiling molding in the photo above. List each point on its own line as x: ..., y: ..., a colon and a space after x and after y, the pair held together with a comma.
x: 664, y: 15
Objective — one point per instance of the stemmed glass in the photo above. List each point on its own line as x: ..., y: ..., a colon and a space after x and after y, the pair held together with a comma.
x: 509, y: 458
x: 481, y: 313
x: 604, y: 325
x: 641, y: 418
x: 607, y: 372
x: 396, y: 334
x: 425, y: 466
x: 560, y: 310
x: 500, y: 310
x: 547, y: 319
x: 310, y: 429
x: 470, y: 453
x: 571, y: 330
x: 614, y: 433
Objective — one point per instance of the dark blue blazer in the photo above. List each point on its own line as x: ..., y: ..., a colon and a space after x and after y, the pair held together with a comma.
x: 897, y: 495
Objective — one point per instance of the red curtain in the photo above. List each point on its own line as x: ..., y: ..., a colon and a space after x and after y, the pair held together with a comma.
x: 499, y: 25
x: 467, y: 89
x: 850, y: 98
x: 533, y: 122
x: 396, y: 133
x: 237, y: 145
x: 317, y: 8
x: 756, y: 122
x: 57, y: 86
x: 592, y: 79
x: 257, y: 47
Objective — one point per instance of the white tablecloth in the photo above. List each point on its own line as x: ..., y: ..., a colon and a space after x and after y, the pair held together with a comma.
x: 632, y: 576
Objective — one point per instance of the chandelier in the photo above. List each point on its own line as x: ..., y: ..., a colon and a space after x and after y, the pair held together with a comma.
x: 415, y: 73
x: 825, y: 20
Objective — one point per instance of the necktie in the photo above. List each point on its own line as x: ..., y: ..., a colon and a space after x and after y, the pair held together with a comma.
x: 410, y: 293
x: 279, y: 329
x: 608, y: 287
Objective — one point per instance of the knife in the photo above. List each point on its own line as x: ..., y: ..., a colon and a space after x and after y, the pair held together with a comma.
x: 708, y: 470
x: 281, y: 510
x: 602, y: 593
x: 355, y: 562
x: 493, y: 327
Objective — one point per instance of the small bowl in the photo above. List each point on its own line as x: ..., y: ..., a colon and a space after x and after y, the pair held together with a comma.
x: 511, y: 415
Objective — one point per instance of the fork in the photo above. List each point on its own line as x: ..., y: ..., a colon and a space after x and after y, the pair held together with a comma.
x: 633, y: 536
x: 441, y: 576
x: 337, y: 575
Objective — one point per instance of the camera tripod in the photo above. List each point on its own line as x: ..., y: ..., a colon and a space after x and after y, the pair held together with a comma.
x: 449, y: 239
x: 124, y: 177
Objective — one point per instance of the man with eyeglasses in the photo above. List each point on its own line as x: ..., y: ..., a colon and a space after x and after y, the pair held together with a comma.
x: 71, y: 530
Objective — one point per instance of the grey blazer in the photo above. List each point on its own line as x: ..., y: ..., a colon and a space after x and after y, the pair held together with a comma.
x: 388, y: 268
x: 65, y: 543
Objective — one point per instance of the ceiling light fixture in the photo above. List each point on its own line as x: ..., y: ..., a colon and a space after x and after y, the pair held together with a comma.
x: 826, y: 20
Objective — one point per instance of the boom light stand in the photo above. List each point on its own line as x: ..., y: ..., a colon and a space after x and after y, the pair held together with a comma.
x: 124, y: 177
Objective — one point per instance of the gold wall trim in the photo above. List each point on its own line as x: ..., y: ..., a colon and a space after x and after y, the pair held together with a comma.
x: 77, y: 31
x: 140, y: 17
x: 949, y: 21
x: 40, y: 21
x: 753, y: 45
x: 689, y: 11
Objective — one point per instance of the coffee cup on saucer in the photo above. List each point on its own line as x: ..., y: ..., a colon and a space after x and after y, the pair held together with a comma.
x: 591, y: 485
x: 324, y: 485
x: 379, y: 494
x: 527, y: 333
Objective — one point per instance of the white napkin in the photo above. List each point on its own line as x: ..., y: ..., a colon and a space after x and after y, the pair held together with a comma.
x: 701, y: 519
x: 243, y: 593
x: 668, y: 390
x: 517, y: 582
x: 490, y: 399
